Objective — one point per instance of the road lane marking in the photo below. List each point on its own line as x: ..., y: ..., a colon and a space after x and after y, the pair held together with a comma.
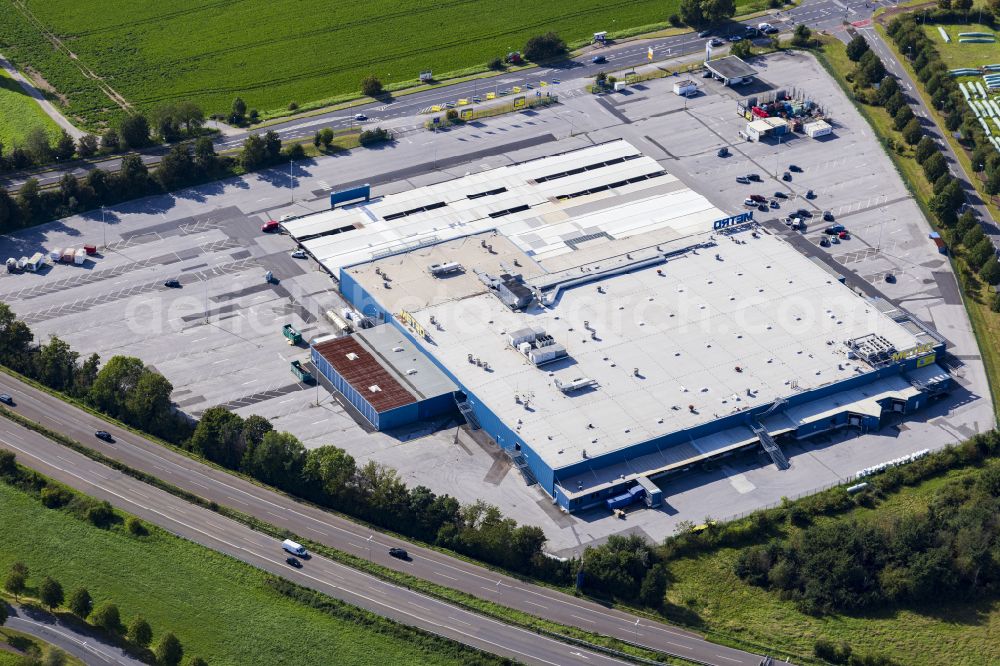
x: 583, y: 619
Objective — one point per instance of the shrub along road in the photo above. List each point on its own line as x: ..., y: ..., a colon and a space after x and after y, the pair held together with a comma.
x: 89, y: 647
x: 312, y: 523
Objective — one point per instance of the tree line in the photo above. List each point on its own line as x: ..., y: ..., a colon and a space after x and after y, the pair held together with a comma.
x: 873, y: 86
x: 962, y: 229
x: 124, y: 388
x: 186, y: 163
x: 165, y: 124
x: 49, y: 592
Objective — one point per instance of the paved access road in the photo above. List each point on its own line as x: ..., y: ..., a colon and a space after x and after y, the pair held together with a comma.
x: 323, y: 527
x: 818, y: 14
x: 84, y: 644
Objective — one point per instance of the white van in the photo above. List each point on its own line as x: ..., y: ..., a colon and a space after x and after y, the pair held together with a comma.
x: 293, y: 548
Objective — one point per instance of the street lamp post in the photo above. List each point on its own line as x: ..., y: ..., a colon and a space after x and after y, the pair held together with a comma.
x: 368, y: 541
x: 291, y: 179
x: 104, y: 229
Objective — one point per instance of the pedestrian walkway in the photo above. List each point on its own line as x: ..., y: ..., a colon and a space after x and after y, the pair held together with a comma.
x: 37, y: 95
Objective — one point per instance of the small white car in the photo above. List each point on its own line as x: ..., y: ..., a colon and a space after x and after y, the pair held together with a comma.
x: 360, y: 116
x: 299, y: 254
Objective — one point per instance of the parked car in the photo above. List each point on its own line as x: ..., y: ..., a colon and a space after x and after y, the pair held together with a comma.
x: 706, y: 74
x: 780, y: 195
x: 770, y: 30
x: 749, y: 202
x: 758, y: 198
x: 105, y: 435
x: 723, y: 152
x: 786, y: 176
x: 827, y: 216
x: 704, y: 33
x: 834, y: 240
x: 824, y: 242
x: 715, y: 41
x: 270, y: 226
x: 293, y: 562
x: 299, y: 254
x: 6, y: 399
x: 598, y: 59
x: 795, y: 168
x: 742, y: 180
x: 734, y: 38
x: 802, y: 212
x: 810, y: 194
x: 834, y: 230
x: 774, y: 203
x: 172, y: 284
x: 754, y: 177
x: 843, y: 235
x: 890, y: 278
x: 399, y: 553
x: 762, y: 207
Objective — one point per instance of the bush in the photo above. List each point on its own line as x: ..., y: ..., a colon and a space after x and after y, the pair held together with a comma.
x: 293, y: 106
x: 675, y: 20
x: 544, y: 47
x: 54, y: 496
x: 107, y: 617
x: 139, y: 632
x: 135, y: 527
x: 80, y: 603
x: 169, y: 651
x: 371, y: 86
x: 375, y: 136
x: 496, y: 64
x: 99, y: 513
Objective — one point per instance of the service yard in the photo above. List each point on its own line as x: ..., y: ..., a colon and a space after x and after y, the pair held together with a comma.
x: 218, y: 337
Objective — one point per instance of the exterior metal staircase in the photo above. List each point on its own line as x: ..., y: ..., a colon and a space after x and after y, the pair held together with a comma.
x: 772, y: 448
x: 522, y: 466
x: 470, y: 416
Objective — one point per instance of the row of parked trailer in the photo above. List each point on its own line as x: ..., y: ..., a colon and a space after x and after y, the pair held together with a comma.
x: 35, y: 262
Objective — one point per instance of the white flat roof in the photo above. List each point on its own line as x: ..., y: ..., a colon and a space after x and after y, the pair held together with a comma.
x: 709, y: 333
x: 617, y: 192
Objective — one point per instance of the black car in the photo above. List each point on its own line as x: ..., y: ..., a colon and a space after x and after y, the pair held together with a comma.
x: 827, y: 216
x: 599, y: 59
x: 293, y: 562
x: 735, y: 38
x: 762, y: 208
x: 780, y: 195
x: 173, y: 284
x: 794, y: 168
x: 889, y: 277
x: 6, y: 399
x: 802, y: 212
x: 754, y: 177
x: 704, y: 33
x: 399, y: 553
x: 786, y: 176
x: 742, y: 180
x: 105, y: 435
x: 723, y: 152
x: 810, y: 195
x: 824, y: 242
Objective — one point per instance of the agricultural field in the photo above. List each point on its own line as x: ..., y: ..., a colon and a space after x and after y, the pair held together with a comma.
x: 19, y: 114
x: 219, y: 608
x: 273, y: 52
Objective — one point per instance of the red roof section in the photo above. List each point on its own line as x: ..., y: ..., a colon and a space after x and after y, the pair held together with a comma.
x: 362, y: 371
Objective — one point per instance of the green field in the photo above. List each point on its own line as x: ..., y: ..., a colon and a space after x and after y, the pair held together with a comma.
x: 273, y: 52
x: 19, y: 114
x: 954, y: 633
x: 965, y: 55
x: 219, y: 608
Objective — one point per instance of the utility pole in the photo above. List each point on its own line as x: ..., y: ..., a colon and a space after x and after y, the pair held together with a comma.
x: 104, y: 229
x: 291, y: 178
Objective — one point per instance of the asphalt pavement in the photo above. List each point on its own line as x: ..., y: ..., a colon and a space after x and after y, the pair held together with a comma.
x: 84, y: 643
x: 323, y: 527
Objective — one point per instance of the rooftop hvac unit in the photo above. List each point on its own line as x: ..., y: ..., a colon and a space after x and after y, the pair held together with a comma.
x: 575, y: 384
x: 446, y: 268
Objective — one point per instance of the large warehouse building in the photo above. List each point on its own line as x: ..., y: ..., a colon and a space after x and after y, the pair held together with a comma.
x: 604, y: 324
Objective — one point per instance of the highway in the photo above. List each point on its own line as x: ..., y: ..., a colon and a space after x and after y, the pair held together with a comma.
x: 572, y: 72
x: 323, y: 527
x: 337, y: 580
